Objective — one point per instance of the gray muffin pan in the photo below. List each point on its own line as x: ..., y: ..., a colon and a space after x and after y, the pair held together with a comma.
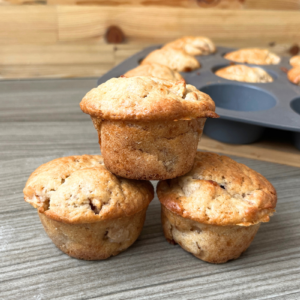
x: 245, y: 109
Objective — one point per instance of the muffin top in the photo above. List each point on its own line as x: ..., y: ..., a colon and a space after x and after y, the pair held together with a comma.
x: 154, y: 70
x: 295, y: 61
x: 294, y: 75
x: 79, y: 189
x: 253, y: 56
x: 244, y: 74
x: 175, y: 59
x: 193, y: 45
x: 219, y: 191
x: 147, y: 98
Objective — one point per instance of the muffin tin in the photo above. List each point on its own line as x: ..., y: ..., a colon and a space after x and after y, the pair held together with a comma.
x: 245, y: 109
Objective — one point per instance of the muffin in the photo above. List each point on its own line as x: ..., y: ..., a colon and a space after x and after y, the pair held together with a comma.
x: 253, y: 56
x: 148, y: 128
x: 88, y: 212
x: 244, y: 74
x: 295, y: 61
x: 193, y: 45
x: 294, y: 75
x: 175, y: 59
x: 154, y: 70
x: 216, y: 209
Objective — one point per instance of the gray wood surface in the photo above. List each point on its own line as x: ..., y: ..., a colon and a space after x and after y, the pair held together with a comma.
x: 41, y: 120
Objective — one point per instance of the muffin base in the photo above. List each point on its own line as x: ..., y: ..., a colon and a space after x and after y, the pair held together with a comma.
x: 149, y: 150
x: 94, y: 241
x: 211, y: 243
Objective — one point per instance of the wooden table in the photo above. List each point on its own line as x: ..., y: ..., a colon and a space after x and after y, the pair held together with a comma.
x: 40, y: 121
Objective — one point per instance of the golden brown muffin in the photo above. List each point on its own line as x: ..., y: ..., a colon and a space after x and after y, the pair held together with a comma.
x: 215, y: 210
x: 294, y: 75
x: 193, y: 45
x: 148, y: 128
x: 154, y: 70
x: 244, y: 74
x: 253, y: 56
x: 88, y: 212
x: 175, y: 59
x: 295, y: 61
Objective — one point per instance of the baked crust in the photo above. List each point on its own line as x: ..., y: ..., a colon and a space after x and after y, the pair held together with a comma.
x: 176, y: 59
x: 253, y: 56
x: 193, y: 45
x: 147, y: 98
x: 211, y: 243
x: 154, y: 70
x: 295, y: 61
x: 79, y: 189
x: 150, y: 150
x: 294, y: 75
x: 244, y: 74
x: 219, y: 191
x: 95, y: 241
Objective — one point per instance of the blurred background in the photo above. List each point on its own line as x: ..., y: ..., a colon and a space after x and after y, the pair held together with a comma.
x: 86, y: 38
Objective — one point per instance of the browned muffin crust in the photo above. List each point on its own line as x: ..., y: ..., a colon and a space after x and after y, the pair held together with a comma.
x: 211, y: 243
x: 295, y: 61
x: 294, y: 75
x: 253, y: 56
x: 147, y: 99
x: 79, y: 189
x: 193, y: 45
x: 219, y: 191
x: 154, y: 70
x: 95, y: 241
x: 244, y: 74
x: 176, y: 59
x: 150, y: 150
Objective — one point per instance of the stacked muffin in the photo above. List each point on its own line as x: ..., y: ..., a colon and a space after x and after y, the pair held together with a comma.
x: 94, y: 207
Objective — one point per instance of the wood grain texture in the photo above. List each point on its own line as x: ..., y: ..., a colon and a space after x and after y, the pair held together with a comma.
x: 63, y: 54
x: 64, y: 60
x: 51, y: 24
x: 137, y: 23
x: 40, y: 66
x: 28, y: 24
x: 215, y: 4
x: 52, y: 103
x: 40, y: 121
x: 272, y: 4
x: 54, y: 71
x: 267, y: 149
x: 68, y: 41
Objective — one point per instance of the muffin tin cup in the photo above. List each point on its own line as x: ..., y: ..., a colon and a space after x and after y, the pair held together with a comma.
x: 245, y: 109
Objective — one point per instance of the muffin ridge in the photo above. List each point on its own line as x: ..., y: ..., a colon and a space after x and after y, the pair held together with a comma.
x: 147, y: 98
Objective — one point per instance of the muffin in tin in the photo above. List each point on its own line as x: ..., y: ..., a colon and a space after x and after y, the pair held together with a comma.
x: 294, y: 75
x: 88, y: 212
x: 176, y: 59
x: 216, y: 209
x: 193, y: 45
x: 148, y: 128
x: 244, y: 74
x: 295, y: 61
x: 154, y: 70
x: 253, y: 56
